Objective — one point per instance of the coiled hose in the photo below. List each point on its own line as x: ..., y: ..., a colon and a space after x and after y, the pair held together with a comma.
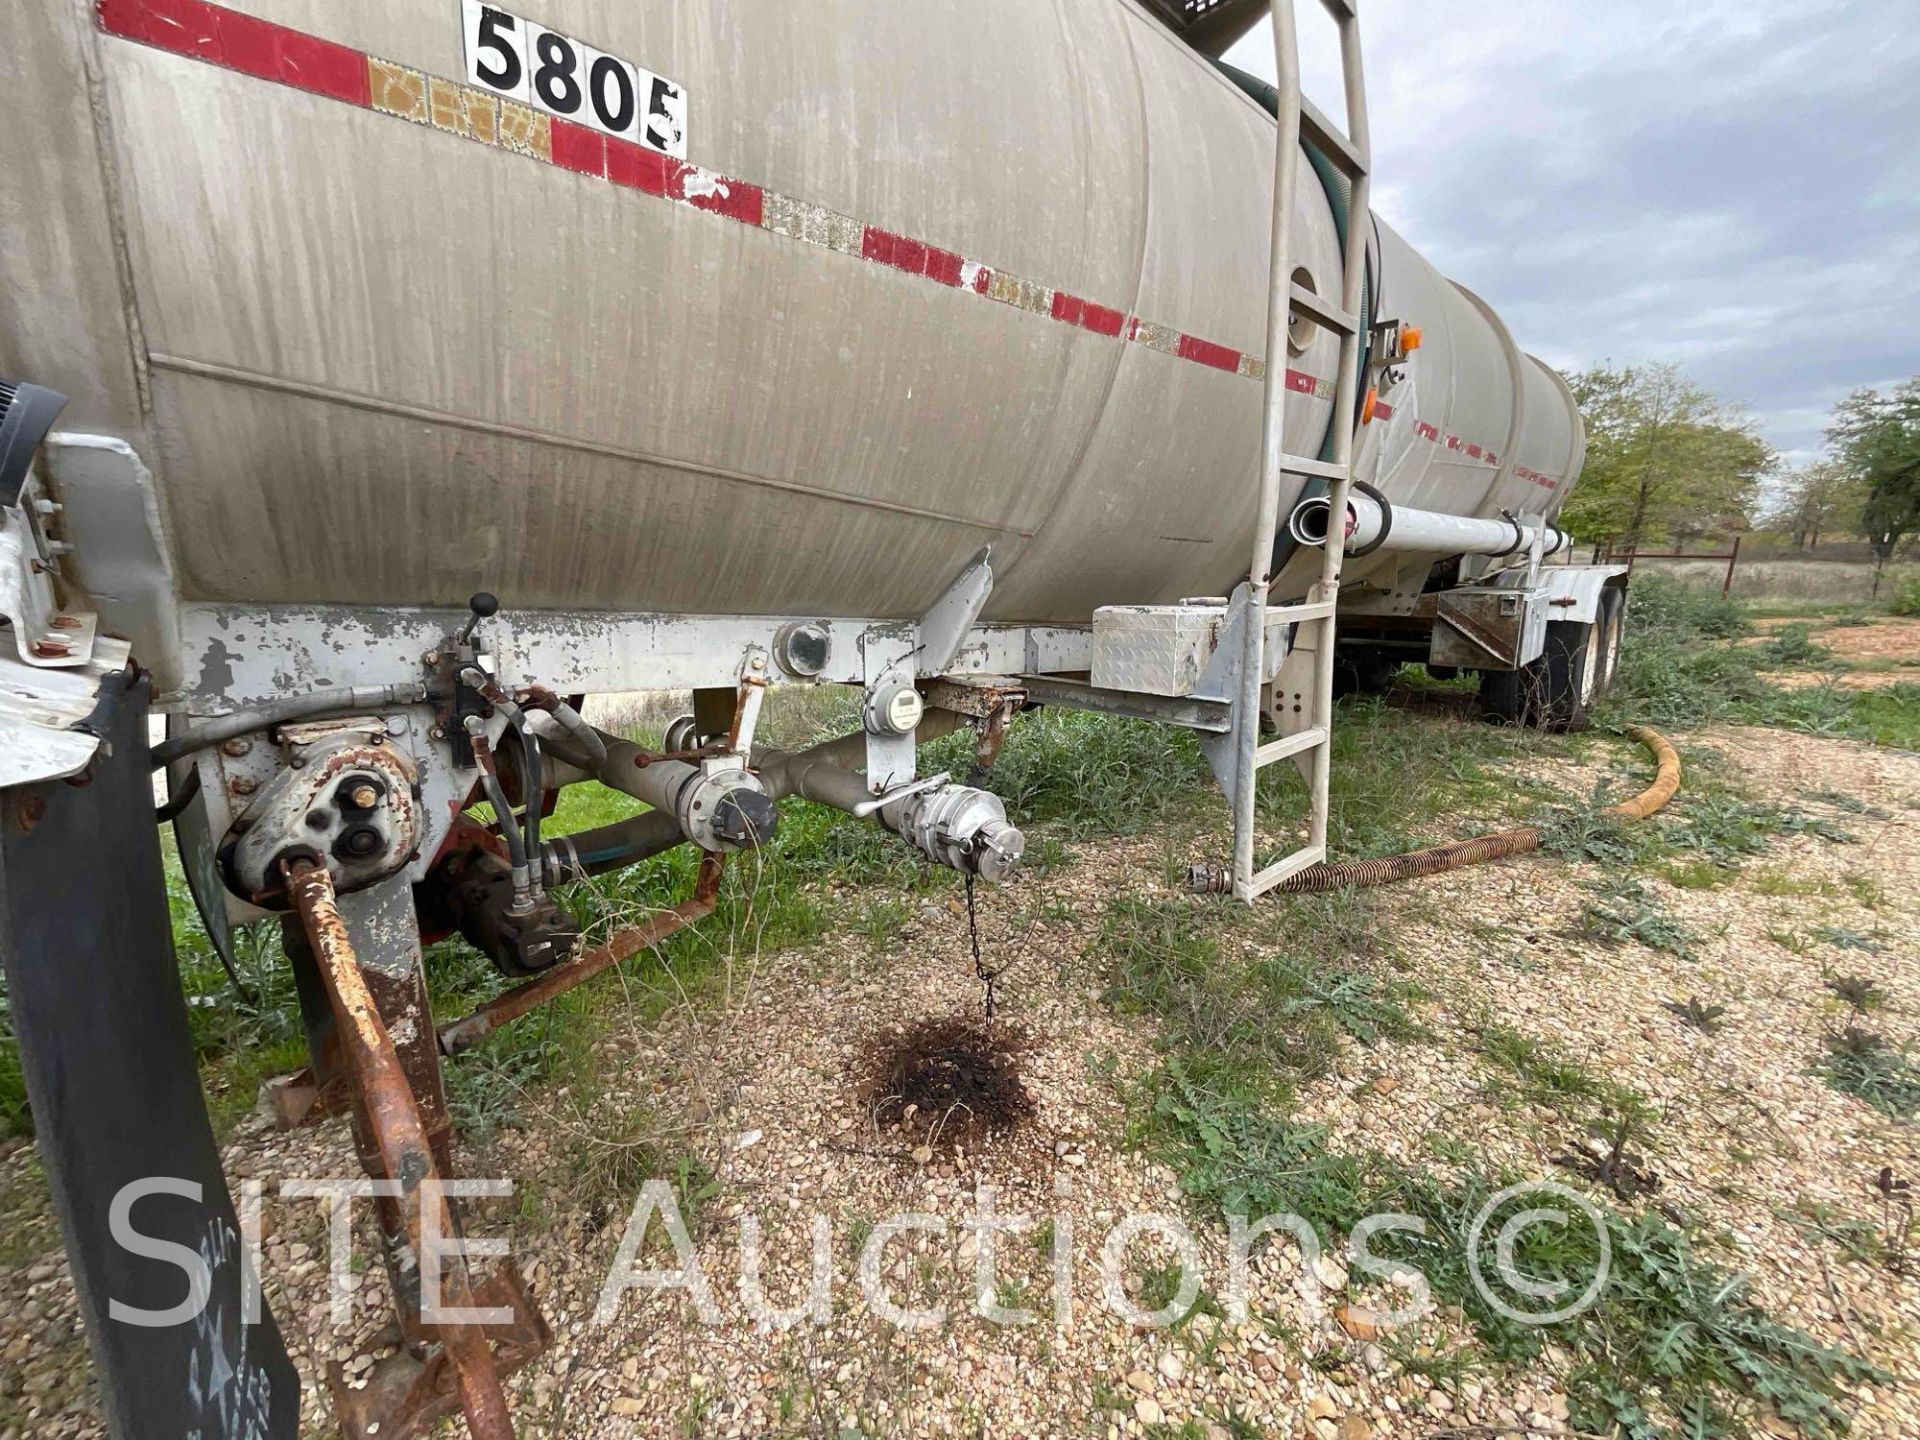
x: 1458, y: 854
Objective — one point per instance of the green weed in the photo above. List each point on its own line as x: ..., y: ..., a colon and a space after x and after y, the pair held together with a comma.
x: 1623, y: 911
x: 1862, y: 1064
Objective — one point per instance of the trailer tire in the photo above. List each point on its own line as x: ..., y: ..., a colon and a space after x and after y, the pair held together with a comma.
x: 1612, y: 630
x: 1363, y: 672
x: 1555, y: 692
x: 1569, y: 675
x: 1506, y: 696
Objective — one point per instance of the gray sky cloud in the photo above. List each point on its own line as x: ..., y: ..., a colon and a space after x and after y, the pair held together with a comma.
x: 1734, y: 187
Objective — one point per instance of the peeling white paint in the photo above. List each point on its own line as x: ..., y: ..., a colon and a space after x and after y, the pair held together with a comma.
x: 700, y: 184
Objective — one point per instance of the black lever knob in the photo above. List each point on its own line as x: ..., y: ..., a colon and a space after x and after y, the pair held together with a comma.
x: 484, y: 605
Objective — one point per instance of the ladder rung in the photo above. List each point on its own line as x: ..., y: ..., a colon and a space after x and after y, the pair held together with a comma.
x: 1311, y: 305
x: 1319, y: 469
x: 1287, y: 614
x: 1326, y: 137
x: 1285, y: 869
x: 1292, y: 745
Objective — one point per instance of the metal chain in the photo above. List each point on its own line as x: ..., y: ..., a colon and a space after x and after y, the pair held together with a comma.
x: 988, y: 978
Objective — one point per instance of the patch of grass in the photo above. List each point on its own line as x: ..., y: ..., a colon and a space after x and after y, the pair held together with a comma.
x: 1672, y: 1332
x: 1623, y: 911
x: 1847, y: 804
x: 1548, y: 1078
x: 1841, y: 938
x: 1794, y: 645
x: 1905, y: 599
x: 1282, y: 1014
x: 1699, y: 874
x: 1402, y: 778
x: 1094, y: 775
x: 1865, y: 889
x: 1589, y: 833
x: 1862, y: 1064
x: 1677, y: 670
x: 1781, y: 881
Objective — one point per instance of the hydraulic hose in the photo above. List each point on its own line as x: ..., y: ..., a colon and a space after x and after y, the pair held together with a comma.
x: 1458, y: 854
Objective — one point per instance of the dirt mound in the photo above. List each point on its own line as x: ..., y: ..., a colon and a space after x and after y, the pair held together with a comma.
x: 947, y: 1084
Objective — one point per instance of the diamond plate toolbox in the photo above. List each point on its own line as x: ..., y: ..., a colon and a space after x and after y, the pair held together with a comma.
x: 1155, y: 649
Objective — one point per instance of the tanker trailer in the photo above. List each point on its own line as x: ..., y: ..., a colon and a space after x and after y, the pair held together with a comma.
x: 384, y: 378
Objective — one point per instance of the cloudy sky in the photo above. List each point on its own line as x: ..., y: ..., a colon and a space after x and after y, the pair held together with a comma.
x: 1733, y: 185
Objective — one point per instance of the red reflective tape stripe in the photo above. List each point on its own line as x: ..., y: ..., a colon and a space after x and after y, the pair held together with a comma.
x: 1101, y: 320
x: 186, y: 27
x: 201, y: 30
x: 1301, y: 383
x: 639, y: 168
x: 1475, y: 451
x: 310, y: 63
x: 579, y: 149
x: 944, y: 266
x: 1192, y: 347
x: 1072, y: 310
x: 241, y: 42
x: 899, y: 251
x: 735, y: 199
x: 1382, y: 410
x: 250, y: 45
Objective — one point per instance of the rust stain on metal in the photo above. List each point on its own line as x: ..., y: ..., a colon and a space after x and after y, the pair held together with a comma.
x: 403, y: 1397
x: 400, y: 1132
x: 31, y: 808
x: 464, y: 1034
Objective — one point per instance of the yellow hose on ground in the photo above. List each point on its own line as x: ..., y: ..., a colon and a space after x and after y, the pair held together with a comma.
x: 1458, y: 854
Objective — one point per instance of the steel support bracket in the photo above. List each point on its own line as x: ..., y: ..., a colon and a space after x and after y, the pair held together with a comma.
x: 943, y: 629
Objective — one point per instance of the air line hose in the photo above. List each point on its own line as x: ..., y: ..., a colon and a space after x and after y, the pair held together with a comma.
x: 1458, y: 854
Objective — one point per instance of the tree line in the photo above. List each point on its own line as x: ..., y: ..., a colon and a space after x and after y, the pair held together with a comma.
x: 1668, y: 461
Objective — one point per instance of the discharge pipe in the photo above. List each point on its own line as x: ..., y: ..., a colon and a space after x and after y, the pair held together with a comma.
x: 717, y: 805
x: 1375, y: 523
x: 957, y: 826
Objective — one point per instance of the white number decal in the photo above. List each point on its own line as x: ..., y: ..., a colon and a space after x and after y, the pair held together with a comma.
x: 553, y: 72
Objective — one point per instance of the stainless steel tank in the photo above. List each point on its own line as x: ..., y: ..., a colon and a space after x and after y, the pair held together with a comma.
x: 937, y: 276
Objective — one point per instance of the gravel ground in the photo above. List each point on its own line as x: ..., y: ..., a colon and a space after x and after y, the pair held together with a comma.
x: 767, y: 1090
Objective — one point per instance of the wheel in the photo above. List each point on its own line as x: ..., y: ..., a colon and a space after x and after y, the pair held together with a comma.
x: 1363, y: 672
x: 1569, y: 674
x: 1555, y: 692
x: 1613, y: 625
x: 1506, y: 696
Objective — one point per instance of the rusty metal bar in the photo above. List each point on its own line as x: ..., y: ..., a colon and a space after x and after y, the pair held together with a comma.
x: 1733, y: 559
x: 464, y: 1034
x: 405, y: 1149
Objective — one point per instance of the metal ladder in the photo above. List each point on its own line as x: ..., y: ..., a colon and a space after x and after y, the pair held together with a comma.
x: 1351, y: 155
